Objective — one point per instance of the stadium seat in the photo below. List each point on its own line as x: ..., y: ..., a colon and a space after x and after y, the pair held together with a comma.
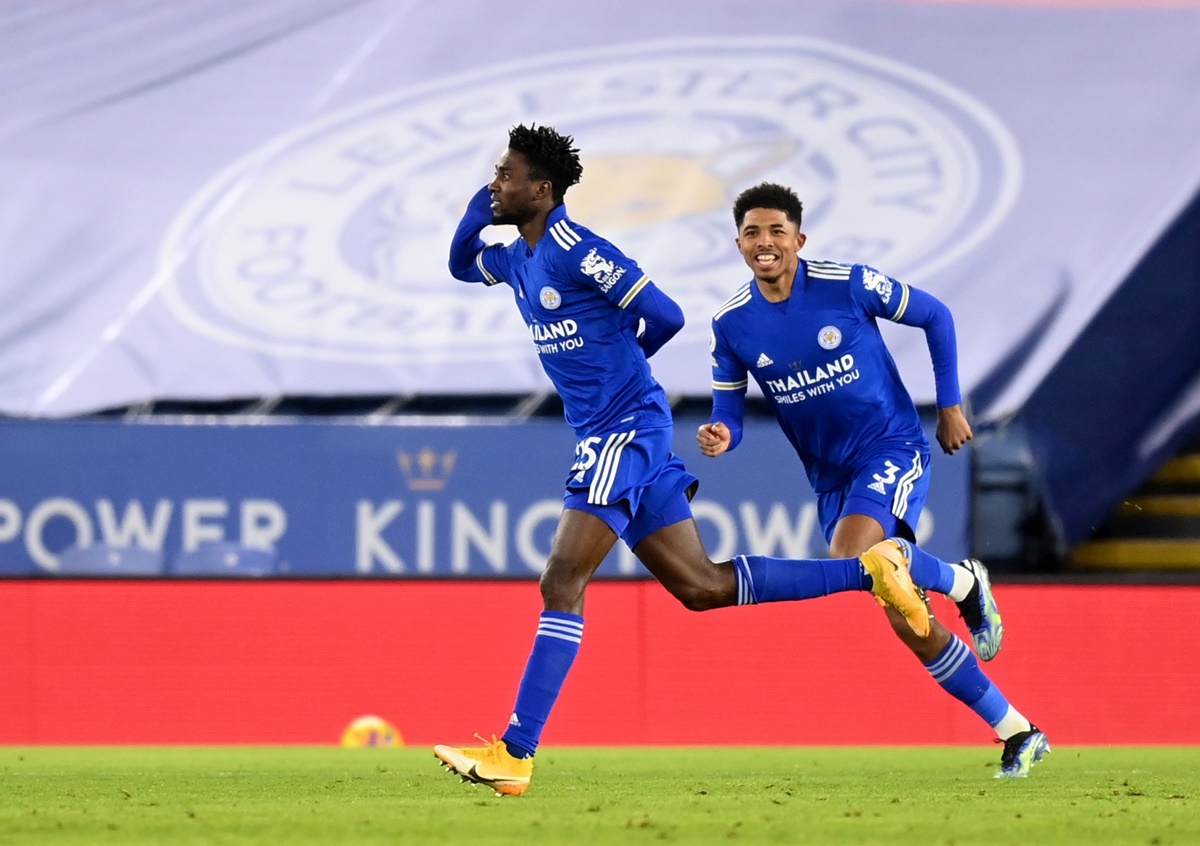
x: 104, y: 559
x: 225, y: 558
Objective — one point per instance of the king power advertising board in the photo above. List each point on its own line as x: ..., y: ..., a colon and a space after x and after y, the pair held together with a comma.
x: 346, y: 499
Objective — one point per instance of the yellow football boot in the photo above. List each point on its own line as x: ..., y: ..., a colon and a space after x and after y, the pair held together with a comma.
x: 490, y: 765
x: 893, y: 586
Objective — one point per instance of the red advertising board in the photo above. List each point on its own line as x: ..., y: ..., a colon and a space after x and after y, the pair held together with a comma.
x: 178, y: 662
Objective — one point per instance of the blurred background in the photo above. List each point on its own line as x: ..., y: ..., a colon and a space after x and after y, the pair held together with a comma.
x: 230, y: 346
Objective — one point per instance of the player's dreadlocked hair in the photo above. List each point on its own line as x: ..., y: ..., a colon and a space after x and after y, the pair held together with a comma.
x: 768, y: 195
x: 551, y: 156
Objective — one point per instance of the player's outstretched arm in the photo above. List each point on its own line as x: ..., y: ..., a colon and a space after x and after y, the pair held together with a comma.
x: 953, y: 430
x: 466, y: 243
x: 714, y: 438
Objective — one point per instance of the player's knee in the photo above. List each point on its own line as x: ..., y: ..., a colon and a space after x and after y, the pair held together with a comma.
x: 562, y: 588
x: 840, y: 550
x: 847, y: 548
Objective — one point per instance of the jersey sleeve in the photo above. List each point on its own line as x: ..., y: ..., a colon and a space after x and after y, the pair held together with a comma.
x: 595, y: 263
x: 878, y: 295
x: 729, y: 381
x: 659, y: 316
x: 471, y: 260
x: 882, y: 296
x: 932, y: 315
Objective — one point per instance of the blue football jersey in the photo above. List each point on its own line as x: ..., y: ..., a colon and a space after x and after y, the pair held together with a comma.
x: 822, y: 364
x: 574, y: 289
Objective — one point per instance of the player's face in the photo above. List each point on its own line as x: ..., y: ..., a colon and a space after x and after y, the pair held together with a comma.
x: 516, y: 195
x: 769, y: 242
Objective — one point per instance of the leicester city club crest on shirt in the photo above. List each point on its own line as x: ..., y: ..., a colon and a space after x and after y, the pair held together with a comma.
x: 550, y: 298
x: 829, y: 337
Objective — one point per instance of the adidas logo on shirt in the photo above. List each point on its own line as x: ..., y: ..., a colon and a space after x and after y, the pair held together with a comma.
x: 763, y: 361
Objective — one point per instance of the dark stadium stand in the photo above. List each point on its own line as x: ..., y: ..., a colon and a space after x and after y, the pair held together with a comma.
x: 1156, y: 528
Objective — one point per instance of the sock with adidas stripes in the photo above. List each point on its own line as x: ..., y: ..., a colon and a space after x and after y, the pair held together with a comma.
x: 957, y: 671
x: 554, y: 649
x: 763, y: 579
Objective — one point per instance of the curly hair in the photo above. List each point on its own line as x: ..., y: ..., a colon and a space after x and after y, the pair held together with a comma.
x: 551, y: 156
x: 768, y: 195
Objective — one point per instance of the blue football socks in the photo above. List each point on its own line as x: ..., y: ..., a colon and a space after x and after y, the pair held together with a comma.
x: 927, y: 571
x: 554, y: 649
x: 957, y: 671
x: 763, y: 579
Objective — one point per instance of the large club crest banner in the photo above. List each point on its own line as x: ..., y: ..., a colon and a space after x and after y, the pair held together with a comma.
x: 216, y: 200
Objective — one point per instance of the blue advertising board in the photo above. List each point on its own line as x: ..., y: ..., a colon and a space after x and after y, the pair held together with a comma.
x: 402, y: 499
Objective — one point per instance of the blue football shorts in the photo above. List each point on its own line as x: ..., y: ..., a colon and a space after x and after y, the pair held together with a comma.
x: 632, y: 481
x: 891, y: 486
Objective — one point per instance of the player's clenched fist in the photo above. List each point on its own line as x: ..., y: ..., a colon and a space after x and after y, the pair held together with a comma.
x: 953, y: 430
x: 713, y: 438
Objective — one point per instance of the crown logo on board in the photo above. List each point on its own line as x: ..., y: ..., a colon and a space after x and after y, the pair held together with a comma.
x: 426, y: 470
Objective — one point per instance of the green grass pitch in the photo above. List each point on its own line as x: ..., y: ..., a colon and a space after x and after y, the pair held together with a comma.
x: 786, y: 795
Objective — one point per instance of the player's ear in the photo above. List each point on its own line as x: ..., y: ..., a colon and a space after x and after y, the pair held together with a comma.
x: 800, y: 239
